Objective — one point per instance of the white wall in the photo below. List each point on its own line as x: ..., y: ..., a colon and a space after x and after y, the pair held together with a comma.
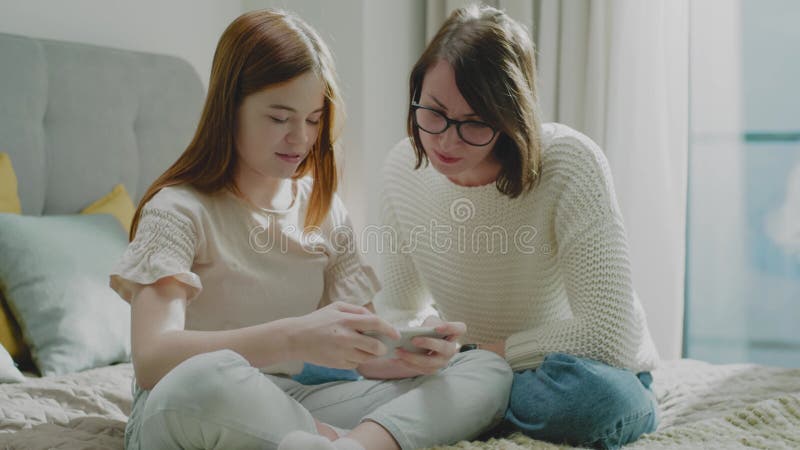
x: 186, y: 28
x: 386, y: 87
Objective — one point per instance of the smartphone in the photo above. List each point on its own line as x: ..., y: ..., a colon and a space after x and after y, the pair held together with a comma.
x: 406, y: 335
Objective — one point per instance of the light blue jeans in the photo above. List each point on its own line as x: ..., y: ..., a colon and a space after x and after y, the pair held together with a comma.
x: 218, y: 400
x: 581, y: 402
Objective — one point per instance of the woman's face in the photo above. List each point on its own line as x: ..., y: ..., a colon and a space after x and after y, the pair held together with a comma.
x: 463, y: 163
x: 278, y: 126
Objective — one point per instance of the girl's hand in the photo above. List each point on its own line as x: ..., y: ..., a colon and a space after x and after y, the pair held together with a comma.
x: 331, y: 336
x: 440, y: 351
x: 386, y: 369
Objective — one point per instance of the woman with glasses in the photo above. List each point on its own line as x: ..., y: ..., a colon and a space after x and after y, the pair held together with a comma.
x: 512, y: 227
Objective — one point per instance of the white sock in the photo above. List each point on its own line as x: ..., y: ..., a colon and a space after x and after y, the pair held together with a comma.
x: 344, y: 443
x: 302, y: 440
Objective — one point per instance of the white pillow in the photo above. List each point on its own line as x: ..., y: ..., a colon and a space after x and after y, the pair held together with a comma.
x: 8, y: 370
x: 54, y: 276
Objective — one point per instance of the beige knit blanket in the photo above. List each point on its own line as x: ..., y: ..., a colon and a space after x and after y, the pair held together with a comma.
x: 703, y: 406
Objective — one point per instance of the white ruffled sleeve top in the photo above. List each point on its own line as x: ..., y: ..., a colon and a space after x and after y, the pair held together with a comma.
x: 244, y: 265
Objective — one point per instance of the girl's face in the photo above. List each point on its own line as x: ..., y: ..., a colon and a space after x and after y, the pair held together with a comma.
x: 278, y: 126
x: 463, y: 163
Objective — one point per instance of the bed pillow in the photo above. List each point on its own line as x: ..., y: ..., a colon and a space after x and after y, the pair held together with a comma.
x: 54, y: 275
x: 10, y: 336
x: 9, y: 203
x: 8, y: 370
x: 117, y: 203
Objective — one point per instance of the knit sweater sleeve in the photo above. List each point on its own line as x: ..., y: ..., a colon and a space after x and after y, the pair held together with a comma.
x: 595, y: 268
x: 404, y: 300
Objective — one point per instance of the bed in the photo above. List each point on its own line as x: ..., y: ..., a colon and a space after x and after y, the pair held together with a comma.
x: 128, y: 115
x: 703, y: 406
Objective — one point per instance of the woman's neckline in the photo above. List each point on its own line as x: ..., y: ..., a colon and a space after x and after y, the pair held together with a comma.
x: 442, y: 178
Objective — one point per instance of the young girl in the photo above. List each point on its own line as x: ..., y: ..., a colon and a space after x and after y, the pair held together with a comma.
x: 243, y: 265
x: 513, y: 228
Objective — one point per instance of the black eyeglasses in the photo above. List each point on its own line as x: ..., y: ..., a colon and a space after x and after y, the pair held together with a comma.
x: 432, y: 121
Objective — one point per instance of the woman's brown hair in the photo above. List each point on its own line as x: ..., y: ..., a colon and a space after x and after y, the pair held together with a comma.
x: 493, y: 60
x: 258, y: 50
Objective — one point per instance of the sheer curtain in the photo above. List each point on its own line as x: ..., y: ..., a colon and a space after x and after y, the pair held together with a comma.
x: 617, y: 70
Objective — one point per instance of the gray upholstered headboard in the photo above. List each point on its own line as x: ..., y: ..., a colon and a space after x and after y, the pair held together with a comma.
x: 78, y: 119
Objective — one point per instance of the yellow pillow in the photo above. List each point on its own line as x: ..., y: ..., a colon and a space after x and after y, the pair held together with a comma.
x: 117, y: 203
x: 9, y: 199
x: 9, y: 203
x: 10, y: 335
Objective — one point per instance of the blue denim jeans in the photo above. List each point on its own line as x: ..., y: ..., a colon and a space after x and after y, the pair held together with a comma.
x: 581, y: 402
x: 313, y: 374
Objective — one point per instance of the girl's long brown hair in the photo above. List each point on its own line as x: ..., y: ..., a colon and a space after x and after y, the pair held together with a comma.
x: 258, y: 50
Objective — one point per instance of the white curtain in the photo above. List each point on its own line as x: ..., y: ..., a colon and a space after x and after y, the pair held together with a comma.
x: 617, y: 70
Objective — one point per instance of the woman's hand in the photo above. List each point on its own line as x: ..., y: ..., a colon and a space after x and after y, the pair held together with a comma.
x: 331, y: 336
x: 440, y: 351
x: 498, y: 347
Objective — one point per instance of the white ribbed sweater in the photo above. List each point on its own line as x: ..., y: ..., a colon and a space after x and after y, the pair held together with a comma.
x: 547, y: 272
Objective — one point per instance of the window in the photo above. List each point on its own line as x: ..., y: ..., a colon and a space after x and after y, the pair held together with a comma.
x: 743, y: 227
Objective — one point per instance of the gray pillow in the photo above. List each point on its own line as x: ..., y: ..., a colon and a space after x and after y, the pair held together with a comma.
x: 54, y: 275
x: 8, y: 370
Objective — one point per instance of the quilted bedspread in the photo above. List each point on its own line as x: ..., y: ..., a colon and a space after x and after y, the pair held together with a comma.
x: 85, y: 410
x: 702, y: 406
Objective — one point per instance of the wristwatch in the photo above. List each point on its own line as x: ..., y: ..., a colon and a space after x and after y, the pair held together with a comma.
x: 468, y: 347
